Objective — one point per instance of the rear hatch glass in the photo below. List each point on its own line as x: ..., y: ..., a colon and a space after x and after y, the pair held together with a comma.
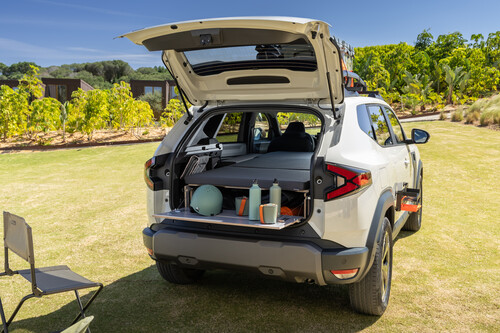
x: 298, y: 56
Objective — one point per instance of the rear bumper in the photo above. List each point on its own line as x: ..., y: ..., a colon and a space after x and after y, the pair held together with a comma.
x: 293, y: 261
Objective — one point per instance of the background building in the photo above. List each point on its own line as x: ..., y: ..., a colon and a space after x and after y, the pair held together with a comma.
x: 143, y: 87
x: 60, y: 89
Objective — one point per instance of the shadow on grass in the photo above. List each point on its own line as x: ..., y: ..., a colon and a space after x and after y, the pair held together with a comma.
x: 222, y: 301
x: 403, y: 234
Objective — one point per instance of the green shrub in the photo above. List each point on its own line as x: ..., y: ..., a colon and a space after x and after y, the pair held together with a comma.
x: 458, y: 114
x: 472, y: 117
x: 13, y: 112
x: 155, y: 101
x: 173, y: 112
x: 491, y: 116
x: 477, y: 105
x: 45, y: 115
x: 442, y: 115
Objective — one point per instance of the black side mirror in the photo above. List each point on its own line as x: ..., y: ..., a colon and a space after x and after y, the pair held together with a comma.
x: 419, y: 136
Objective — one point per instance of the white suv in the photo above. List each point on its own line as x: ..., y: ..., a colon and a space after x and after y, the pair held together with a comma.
x: 268, y: 102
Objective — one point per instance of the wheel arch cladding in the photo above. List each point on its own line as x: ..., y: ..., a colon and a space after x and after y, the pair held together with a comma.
x: 385, y: 207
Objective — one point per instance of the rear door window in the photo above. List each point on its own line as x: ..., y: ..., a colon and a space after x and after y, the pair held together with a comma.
x: 261, y: 128
x: 364, y: 121
x: 379, y: 124
x: 228, y: 131
x: 261, y: 133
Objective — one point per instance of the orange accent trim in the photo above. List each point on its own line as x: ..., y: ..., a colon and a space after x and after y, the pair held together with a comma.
x: 261, y: 214
x: 242, y: 206
x: 409, y: 207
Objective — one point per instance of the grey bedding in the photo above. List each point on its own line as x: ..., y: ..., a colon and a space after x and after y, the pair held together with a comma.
x: 291, y: 169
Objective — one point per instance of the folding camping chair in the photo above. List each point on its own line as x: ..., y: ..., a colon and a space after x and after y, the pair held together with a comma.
x: 44, y: 281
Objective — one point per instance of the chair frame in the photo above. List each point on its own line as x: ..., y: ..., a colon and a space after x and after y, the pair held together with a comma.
x: 36, y: 292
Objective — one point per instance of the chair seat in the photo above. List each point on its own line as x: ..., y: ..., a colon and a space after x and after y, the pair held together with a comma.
x: 56, y: 279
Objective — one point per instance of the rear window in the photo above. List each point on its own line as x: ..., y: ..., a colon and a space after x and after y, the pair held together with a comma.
x: 298, y: 56
x: 311, y: 122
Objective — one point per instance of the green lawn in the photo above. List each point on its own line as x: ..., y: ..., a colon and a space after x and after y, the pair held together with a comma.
x: 87, y: 210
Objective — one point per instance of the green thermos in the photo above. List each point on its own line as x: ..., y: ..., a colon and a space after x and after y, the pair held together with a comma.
x: 254, y: 200
x: 275, y: 195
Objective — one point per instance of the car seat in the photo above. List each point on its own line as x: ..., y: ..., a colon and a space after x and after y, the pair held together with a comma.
x: 295, y: 138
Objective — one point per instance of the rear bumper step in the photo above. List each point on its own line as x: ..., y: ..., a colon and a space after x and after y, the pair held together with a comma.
x: 293, y: 261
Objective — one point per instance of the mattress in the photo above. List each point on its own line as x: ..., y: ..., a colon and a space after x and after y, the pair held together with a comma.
x: 291, y: 169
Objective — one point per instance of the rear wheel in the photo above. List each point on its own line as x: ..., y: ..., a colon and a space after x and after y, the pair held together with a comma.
x: 175, y: 274
x: 371, y: 294
x: 414, y: 221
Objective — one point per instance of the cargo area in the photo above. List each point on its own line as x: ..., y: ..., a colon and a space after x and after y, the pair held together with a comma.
x: 232, y: 150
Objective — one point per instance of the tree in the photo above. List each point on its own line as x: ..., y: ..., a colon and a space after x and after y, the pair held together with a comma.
x: 13, y: 108
x: 115, y: 69
x: 155, y: 100
x: 455, y: 78
x: 63, y: 117
x: 493, y: 49
x: 95, y: 81
x: 445, y: 44
x: 424, y: 40
x: 44, y: 116
x: 89, y: 110
x: 31, y: 85
x: 17, y: 70
x: 418, y: 85
x: 61, y: 72
x: 436, y: 73
x: 174, y: 111
x: 478, y: 41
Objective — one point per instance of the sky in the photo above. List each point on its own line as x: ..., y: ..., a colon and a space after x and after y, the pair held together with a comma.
x: 56, y: 32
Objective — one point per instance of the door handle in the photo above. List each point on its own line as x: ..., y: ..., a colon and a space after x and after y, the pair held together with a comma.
x: 407, y: 162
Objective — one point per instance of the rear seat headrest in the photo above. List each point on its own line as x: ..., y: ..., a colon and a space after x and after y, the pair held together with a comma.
x: 295, y: 127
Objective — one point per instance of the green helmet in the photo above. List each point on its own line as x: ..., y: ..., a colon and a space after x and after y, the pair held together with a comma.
x: 207, y: 200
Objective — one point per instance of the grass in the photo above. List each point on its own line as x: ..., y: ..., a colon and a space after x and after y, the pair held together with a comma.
x: 485, y: 110
x: 458, y: 115
x: 87, y: 210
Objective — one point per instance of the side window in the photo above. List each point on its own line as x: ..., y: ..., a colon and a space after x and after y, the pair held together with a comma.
x: 379, y: 124
x: 396, y: 126
x: 228, y: 131
x: 364, y: 121
x: 261, y: 128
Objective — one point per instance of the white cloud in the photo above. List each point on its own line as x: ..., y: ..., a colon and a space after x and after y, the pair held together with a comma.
x: 15, y: 51
x: 67, y: 24
x: 92, y: 9
x: 84, y: 49
x: 21, y: 47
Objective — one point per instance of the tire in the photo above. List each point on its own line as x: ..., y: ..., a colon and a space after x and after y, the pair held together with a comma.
x: 179, y: 275
x: 371, y: 294
x: 414, y: 221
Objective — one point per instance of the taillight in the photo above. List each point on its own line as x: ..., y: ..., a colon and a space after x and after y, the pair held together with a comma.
x: 351, y: 180
x: 147, y: 167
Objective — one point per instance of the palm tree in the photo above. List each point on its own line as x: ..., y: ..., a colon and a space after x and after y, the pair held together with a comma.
x: 418, y: 84
x: 436, y: 75
x: 455, y: 78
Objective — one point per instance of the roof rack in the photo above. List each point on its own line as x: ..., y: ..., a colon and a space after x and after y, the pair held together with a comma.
x: 355, y: 86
